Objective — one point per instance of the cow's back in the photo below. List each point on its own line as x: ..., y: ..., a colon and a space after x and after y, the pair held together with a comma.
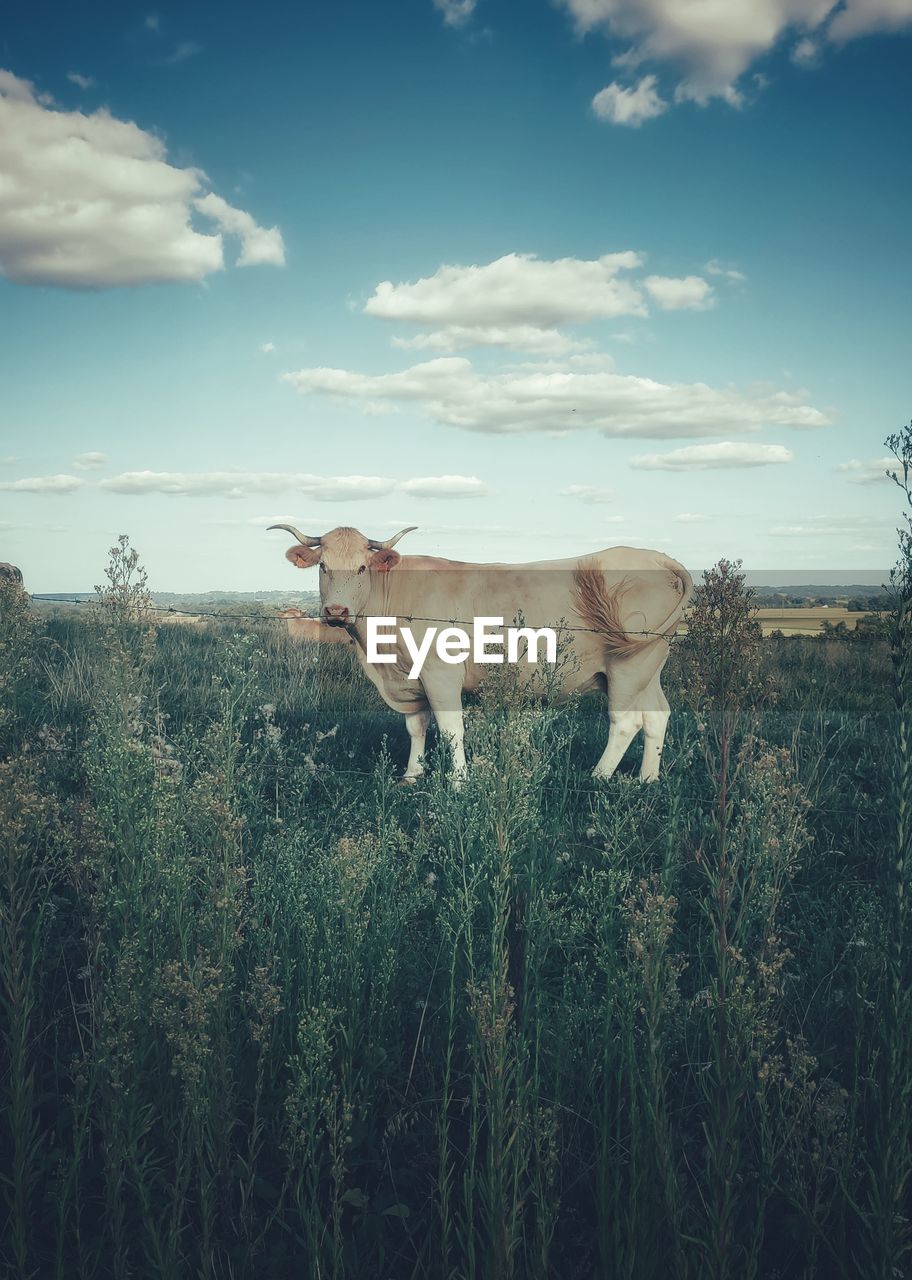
x: 650, y: 590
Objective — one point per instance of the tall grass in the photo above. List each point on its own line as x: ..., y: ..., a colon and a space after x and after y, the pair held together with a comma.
x: 269, y: 1014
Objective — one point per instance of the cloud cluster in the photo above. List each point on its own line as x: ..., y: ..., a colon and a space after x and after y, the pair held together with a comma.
x: 632, y: 106
x: 528, y: 399
x: 674, y: 294
x: 242, y: 484
x: 588, y: 493
x: 456, y: 13
x: 873, y: 472
x: 445, y: 487
x: 840, y: 526
x: 42, y: 484
x: 89, y: 461
x: 91, y: 201
x: 716, y: 268
x: 713, y: 457
x: 519, y: 300
x: 711, y: 46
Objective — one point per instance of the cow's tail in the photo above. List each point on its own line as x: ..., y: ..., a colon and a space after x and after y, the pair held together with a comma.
x: 599, y: 605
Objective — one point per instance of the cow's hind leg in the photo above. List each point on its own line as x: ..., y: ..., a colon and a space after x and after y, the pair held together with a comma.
x: 625, y: 725
x: 417, y: 727
x: 635, y: 702
x: 655, y: 723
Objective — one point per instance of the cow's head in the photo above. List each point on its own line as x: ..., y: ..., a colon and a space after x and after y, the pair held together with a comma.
x: 346, y: 559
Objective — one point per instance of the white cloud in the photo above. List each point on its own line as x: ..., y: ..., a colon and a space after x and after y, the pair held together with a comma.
x: 91, y: 201
x: 588, y: 493
x: 866, y: 17
x: 712, y: 44
x: 562, y: 399
x: 618, y: 105
x: 267, y: 347
x: 89, y: 461
x: 456, y: 13
x: 715, y: 268
x: 677, y: 294
x: 842, y: 526
x: 689, y: 517
x: 43, y: 484
x: 806, y: 52
x: 258, y: 244
x: 874, y: 472
x: 517, y: 300
x: 710, y: 457
x: 445, y: 487
x: 519, y: 337
x: 82, y: 82
x: 240, y: 484
x: 182, y: 53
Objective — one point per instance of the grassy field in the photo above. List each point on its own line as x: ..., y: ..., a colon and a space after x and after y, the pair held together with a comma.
x: 269, y: 1014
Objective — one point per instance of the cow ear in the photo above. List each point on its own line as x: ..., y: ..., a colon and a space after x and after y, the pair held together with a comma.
x: 384, y: 560
x: 303, y: 557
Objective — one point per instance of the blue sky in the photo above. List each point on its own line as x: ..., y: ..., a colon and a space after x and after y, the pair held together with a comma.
x: 537, y: 278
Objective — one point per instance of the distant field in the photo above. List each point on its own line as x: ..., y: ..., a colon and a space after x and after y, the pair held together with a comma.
x: 806, y: 622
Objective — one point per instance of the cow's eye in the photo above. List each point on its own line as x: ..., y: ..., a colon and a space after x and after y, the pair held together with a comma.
x: 322, y: 567
x: 362, y: 568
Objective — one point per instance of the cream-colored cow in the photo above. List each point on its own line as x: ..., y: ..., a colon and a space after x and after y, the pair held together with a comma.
x: 619, y: 608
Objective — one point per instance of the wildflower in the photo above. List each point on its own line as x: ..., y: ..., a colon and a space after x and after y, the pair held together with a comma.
x: 430, y: 879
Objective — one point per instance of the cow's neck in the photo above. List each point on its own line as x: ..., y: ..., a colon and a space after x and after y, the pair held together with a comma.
x: 378, y: 606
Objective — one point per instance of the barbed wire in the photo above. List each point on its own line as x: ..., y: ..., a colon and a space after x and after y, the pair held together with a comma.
x: 225, y: 616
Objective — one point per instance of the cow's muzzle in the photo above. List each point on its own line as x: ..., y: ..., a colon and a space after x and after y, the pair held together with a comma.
x: 336, y: 615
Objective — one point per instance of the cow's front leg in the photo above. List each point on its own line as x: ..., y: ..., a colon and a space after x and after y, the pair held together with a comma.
x: 443, y: 690
x: 417, y: 727
x: 450, y: 725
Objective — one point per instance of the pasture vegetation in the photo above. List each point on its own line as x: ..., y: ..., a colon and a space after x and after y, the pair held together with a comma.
x: 269, y: 1014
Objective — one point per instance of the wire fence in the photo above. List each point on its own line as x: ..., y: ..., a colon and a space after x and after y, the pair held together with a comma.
x: 225, y: 616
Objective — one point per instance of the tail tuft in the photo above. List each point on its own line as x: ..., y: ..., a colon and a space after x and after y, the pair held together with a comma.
x: 600, y: 608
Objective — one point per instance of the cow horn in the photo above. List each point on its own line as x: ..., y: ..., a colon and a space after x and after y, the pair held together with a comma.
x: 391, y: 542
x: 305, y: 539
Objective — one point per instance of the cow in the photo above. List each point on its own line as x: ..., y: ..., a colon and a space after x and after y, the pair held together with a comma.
x: 618, y: 607
x: 10, y: 575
